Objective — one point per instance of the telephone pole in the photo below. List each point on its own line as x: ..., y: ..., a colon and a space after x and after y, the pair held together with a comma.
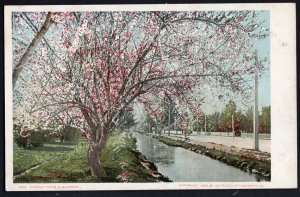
x: 255, y: 111
x: 232, y: 125
x: 169, y: 120
x: 205, y: 123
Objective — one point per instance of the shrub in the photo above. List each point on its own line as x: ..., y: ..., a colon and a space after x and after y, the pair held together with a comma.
x: 30, y: 137
x: 20, y: 140
x: 36, y: 138
x: 70, y: 134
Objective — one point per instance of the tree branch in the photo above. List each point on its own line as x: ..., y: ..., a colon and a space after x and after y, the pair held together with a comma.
x: 31, y: 47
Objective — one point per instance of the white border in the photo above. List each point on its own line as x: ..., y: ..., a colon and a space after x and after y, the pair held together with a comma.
x: 283, y: 99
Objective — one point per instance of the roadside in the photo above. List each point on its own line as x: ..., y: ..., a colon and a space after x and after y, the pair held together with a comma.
x: 227, y: 139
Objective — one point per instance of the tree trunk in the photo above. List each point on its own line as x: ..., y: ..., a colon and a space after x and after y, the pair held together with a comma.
x: 95, y: 150
x: 39, y: 36
x: 94, y: 158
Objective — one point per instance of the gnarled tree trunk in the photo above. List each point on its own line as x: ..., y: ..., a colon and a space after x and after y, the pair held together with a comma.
x: 94, y: 158
x: 94, y: 154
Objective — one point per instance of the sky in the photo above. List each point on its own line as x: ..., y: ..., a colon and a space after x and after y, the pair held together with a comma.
x: 263, y: 50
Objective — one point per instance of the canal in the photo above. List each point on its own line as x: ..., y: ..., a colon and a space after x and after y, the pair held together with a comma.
x: 182, y: 165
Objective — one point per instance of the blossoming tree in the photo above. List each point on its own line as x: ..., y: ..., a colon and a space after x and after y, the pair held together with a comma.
x: 90, y: 67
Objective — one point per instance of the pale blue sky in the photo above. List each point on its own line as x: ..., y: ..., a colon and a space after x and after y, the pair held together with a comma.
x: 263, y: 50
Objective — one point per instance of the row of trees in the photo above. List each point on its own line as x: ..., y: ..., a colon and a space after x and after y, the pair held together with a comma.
x: 215, y: 122
x: 86, y: 69
x: 242, y: 120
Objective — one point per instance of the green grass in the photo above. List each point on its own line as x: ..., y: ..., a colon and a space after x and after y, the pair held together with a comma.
x: 73, y: 166
x: 24, y: 159
x: 172, y: 142
x: 122, y: 149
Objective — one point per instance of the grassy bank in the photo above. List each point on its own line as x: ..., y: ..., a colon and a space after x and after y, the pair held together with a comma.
x: 263, y: 169
x: 121, y: 162
x: 24, y: 159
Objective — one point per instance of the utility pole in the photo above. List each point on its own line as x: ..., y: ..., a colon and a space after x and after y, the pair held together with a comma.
x: 232, y: 125
x: 169, y: 121
x: 175, y: 123
x: 205, y: 124
x: 255, y: 111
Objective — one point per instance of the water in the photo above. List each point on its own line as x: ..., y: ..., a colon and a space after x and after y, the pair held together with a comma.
x: 182, y: 165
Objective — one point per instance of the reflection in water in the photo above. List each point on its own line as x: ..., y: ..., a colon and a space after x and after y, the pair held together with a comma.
x: 182, y: 165
x: 158, y: 152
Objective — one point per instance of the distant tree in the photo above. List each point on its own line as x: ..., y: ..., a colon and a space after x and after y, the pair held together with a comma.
x: 69, y: 134
x: 148, y: 123
x: 265, y: 120
x: 169, y: 112
x: 226, y: 116
x: 247, y: 121
x: 198, y: 125
x: 213, y: 121
x: 127, y: 121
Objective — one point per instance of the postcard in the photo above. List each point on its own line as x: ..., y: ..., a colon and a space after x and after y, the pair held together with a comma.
x: 136, y: 97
